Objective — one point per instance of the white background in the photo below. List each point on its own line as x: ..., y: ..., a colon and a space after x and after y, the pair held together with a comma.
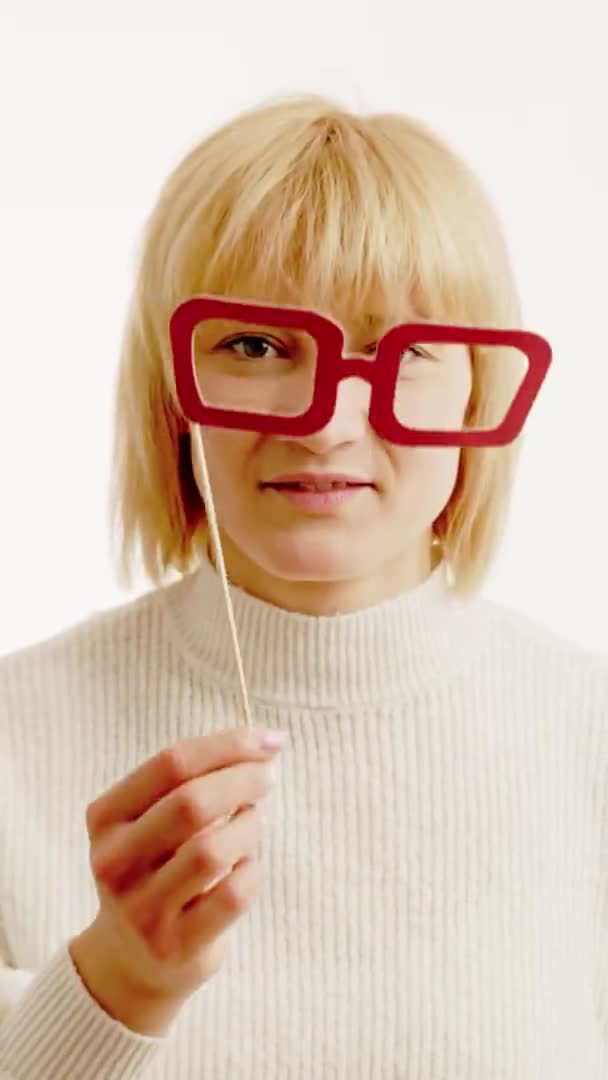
x: 98, y: 103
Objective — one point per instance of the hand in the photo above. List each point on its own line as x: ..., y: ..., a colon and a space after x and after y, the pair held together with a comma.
x: 173, y: 855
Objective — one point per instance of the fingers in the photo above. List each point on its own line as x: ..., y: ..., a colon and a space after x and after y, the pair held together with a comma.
x: 171, y: 895
x: 211, y: 916
x: 173, y: 854
x: 131, y: 851
x: 131, y: 796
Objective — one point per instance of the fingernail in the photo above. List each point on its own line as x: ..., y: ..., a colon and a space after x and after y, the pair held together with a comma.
x: 272, y: 740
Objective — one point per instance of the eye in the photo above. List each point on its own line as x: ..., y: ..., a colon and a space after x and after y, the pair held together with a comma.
x: 416, y: 351
x: 254, y: 346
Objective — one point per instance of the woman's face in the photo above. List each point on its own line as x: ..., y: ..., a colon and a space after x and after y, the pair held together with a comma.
x: 316, y: 554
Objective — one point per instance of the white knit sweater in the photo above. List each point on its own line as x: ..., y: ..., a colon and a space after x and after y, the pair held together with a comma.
x: 436, y: 897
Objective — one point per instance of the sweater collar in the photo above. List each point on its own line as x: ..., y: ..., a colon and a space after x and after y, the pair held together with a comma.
x: 382, y: 654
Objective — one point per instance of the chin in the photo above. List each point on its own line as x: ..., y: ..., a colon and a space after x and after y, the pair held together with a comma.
x: 322, y: 560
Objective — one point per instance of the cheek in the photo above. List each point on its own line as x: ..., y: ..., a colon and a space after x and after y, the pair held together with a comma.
x: 227, y: 454
x: 426, y: 476
x: 427, y: 402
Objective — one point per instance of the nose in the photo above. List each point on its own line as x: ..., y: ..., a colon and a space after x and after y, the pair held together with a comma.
x: 349, y: 422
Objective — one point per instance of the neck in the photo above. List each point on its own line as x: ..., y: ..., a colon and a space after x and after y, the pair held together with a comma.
x: 311, y: 597
x: 389, y: 651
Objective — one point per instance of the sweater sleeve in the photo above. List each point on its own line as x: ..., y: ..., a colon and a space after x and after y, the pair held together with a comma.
x: 50, y: 1026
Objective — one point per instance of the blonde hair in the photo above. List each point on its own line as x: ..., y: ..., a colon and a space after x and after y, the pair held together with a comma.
x: 302, y: 198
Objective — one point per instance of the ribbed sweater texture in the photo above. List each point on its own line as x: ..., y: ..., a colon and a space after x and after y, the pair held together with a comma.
x: 435, y: 902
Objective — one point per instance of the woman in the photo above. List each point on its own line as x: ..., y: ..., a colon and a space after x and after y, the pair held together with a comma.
x: 434, y: 890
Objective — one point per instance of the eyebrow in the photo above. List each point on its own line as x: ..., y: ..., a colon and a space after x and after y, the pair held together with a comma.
x: 375, y: 323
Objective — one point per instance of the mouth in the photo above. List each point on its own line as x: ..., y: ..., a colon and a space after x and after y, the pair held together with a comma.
x: 317, y: 487
x: 318, y: 496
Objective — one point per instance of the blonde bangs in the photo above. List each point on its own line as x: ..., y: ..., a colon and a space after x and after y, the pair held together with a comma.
x: 345, y: 212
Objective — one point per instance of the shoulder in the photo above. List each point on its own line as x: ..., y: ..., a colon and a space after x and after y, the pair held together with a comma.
x: 90, y: 647
x: 79, y: 696
x: 547, y: 658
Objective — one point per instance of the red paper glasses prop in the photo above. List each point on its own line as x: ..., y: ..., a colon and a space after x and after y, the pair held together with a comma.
x: 295, y: 391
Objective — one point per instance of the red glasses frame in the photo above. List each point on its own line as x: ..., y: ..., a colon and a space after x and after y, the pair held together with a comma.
x: 380, y: 371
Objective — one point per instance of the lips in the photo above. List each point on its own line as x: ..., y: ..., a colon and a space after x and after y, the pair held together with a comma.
x: 336, y: 485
